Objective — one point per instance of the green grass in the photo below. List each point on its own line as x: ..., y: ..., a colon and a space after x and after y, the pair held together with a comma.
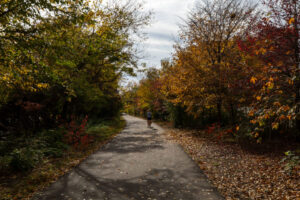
x: 24, y: 185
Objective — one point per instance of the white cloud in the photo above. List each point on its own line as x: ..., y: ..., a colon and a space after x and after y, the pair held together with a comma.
x: 164, y: 29
x: 162, y: 33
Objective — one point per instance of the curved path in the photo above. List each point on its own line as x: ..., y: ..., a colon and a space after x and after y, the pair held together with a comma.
x: 138, y: 164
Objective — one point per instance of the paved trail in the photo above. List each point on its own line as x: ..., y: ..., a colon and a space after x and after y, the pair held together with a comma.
x: 138, y: 164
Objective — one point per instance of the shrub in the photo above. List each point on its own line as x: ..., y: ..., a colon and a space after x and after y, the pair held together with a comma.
x: 76, y: 133
x: 25, y: 159
x: 54, y: 145
x: 291, y: 160
x: 4, y: 163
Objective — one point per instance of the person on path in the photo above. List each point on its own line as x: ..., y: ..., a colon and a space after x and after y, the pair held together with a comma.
x: 149, y: 118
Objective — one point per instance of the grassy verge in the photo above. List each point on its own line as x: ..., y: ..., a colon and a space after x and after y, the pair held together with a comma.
x: 24, y: 185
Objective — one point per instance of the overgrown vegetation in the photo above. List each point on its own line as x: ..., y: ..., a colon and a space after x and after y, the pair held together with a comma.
x: 60, y: 67
x: 47, y: 156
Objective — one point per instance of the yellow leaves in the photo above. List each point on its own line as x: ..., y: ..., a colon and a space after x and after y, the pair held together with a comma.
x: 261, y: 123
x: 253, y: 80
x: 6, y: 77
x: 242, y: 100
x: 263, y: 51
x: 275, y: 125
x: 42, y: 85
x: 258, y: 98
x: 289, y: 117
x: 22, y: 79
x: 256, y: 135
x: 92, y: 26
x: 253, y: 121
x: 270, y: 85
x: 237, y: 128
x: 292, y: 20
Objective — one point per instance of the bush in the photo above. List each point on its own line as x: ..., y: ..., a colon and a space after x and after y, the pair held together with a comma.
x: 4, y: 163
x: 291, y: 161
x: 53, y: 143
x: 25, y: 159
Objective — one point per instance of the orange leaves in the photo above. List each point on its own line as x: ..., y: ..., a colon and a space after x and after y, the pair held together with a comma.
x: 292, y: 20
x: 251, y: 113
x: 261, y: 51
x: 285, y: 108
x: 267, y: 116
x: 275, y: 125
x: 253, y: 80
x: 277, y: 104
x: 270, y: 85
x: 258, y: 98
x: 282, y: 118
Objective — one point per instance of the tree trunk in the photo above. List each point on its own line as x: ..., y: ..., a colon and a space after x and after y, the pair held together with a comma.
x: 297, y: 56
x: 219, y: 108
x: 232, y: 113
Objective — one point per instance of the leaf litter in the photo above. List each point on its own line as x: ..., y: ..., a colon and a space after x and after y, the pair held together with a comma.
x: 236, y: 173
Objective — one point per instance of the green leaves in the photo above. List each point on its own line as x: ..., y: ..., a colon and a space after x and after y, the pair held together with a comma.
x: 76, y: 52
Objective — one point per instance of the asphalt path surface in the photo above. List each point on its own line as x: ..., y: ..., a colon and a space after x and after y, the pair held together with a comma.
x: 137, y: 164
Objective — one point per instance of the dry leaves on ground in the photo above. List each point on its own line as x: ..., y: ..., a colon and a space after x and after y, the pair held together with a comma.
x: 239, y: 174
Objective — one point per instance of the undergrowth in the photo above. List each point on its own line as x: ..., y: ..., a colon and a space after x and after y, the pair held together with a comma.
x: 31, y: 163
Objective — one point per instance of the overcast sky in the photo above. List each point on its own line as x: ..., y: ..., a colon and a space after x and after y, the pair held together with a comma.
x: 163, y: 31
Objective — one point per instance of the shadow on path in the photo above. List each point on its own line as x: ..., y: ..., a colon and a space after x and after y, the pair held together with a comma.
x: 138, y: 164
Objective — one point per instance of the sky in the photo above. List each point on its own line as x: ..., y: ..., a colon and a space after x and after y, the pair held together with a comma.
x: 164, y: 29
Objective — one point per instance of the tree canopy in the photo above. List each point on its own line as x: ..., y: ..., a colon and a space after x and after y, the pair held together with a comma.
x: 235, y: 65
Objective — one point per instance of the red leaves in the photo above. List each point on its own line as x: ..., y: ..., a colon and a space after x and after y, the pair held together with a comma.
x: 215, y: 128
x: 76, y: 135
x: 31, y: 106
x: 212, y: 128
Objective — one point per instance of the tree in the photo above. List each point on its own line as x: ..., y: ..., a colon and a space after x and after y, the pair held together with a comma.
x: 275, y: 42
x: 209, y: 54
x: 72, y: 62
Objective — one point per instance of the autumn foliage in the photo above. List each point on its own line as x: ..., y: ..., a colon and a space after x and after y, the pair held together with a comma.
x: 236, y: 65
x: 76, y: 134
x: 59, y: 62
